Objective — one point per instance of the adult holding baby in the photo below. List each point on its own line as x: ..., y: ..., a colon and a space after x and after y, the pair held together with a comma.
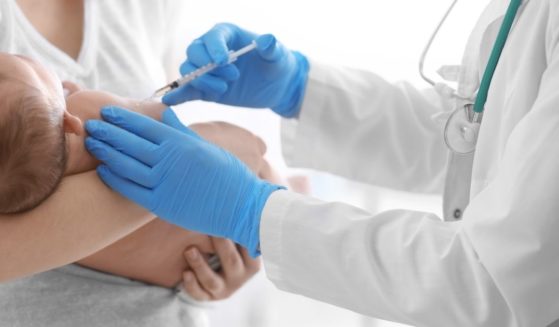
x: 83, y: 41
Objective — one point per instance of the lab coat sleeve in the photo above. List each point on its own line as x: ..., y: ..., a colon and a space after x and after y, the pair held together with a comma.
x: 497, y: 267
x: 403, y: 266
x: 356, y: 125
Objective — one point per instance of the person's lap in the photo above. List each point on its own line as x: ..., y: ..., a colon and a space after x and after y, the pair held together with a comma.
x: 78, y: 296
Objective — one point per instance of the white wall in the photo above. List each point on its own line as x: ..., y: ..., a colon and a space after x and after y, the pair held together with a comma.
x: 383, y: 36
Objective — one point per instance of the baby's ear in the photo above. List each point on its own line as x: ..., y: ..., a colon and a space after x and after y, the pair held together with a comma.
x: 70, y: 87
x: 72, y: 124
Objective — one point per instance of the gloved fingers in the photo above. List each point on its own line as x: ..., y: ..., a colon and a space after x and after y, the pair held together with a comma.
x: 229, y: 72
x: 212, y: 87
x: 126, y: 187
x: 229, y: 256
x: 217, y: 42
x: 121, y: 140
x: 208, y: 83
x: 269, y: 48
x: 207, y: 87
x: 198, y: 56
x: 143, y: 126
x: 170, y: 118
x: 181, y: 94
x: 193, y: 288
x: 210, y: 281
x: 126, y: 166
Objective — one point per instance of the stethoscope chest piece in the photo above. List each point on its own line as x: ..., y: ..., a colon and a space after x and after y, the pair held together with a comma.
x: 461, y: 131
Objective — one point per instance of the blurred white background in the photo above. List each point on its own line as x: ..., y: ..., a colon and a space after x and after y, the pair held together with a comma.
x: 386, y: 37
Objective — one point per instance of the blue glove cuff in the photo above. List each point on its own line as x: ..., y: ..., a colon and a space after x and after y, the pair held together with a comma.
x: 296, y: 91
x: 265, y: 189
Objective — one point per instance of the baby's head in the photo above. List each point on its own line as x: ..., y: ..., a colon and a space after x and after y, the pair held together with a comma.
x: 33, y: 120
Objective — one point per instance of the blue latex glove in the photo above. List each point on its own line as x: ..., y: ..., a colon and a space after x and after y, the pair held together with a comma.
x: 270, y: 77
x: 172, y: 172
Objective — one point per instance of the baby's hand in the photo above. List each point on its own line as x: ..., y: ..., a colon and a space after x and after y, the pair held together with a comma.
x: 204, y: 284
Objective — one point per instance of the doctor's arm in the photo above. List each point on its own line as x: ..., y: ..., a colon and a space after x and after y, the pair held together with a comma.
x: 355, y: 124
x: 400, y: 265
x: 497, y: 267
x: 80, y: 218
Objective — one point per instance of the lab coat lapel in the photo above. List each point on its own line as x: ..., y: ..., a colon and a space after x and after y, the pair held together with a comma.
x: 480, y: 44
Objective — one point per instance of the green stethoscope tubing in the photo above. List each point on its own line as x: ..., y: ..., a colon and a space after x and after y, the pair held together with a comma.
x: 504, y: 32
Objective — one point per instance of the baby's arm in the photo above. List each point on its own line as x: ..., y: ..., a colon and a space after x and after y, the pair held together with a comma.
x: 135, y: 256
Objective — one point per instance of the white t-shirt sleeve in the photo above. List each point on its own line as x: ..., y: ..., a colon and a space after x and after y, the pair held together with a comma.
x: 2, y: 27
x: 5, y: 26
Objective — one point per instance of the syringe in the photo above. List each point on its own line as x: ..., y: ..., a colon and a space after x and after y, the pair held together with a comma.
x: 201, y: 71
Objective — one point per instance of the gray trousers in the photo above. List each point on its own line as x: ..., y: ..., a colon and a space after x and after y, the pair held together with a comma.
x: 73, y: 296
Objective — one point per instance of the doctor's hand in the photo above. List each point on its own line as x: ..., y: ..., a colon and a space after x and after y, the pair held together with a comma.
x: 171, y: 171
x: 203, y: 283
x: 269, y: 77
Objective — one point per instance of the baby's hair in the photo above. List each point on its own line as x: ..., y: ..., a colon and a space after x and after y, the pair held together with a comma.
x: 32, y: 149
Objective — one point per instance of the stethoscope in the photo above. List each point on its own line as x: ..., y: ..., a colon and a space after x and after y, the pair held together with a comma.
x: 462, y: 127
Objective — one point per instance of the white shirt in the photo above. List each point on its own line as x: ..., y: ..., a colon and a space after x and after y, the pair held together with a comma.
x: 129, y: 47
x: 498, y: 265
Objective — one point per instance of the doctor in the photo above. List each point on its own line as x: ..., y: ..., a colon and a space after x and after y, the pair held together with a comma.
x: 494, y: 261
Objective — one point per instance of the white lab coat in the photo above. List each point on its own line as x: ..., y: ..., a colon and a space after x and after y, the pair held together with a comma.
x: 499, y: 264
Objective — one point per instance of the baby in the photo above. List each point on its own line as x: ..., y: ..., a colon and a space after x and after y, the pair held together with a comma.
x: 41, y: 132
x: 41, y: 141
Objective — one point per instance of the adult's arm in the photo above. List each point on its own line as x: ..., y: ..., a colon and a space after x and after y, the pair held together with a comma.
x: 351, y: 122
x: 355, y: 124
x: 82, y: 217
